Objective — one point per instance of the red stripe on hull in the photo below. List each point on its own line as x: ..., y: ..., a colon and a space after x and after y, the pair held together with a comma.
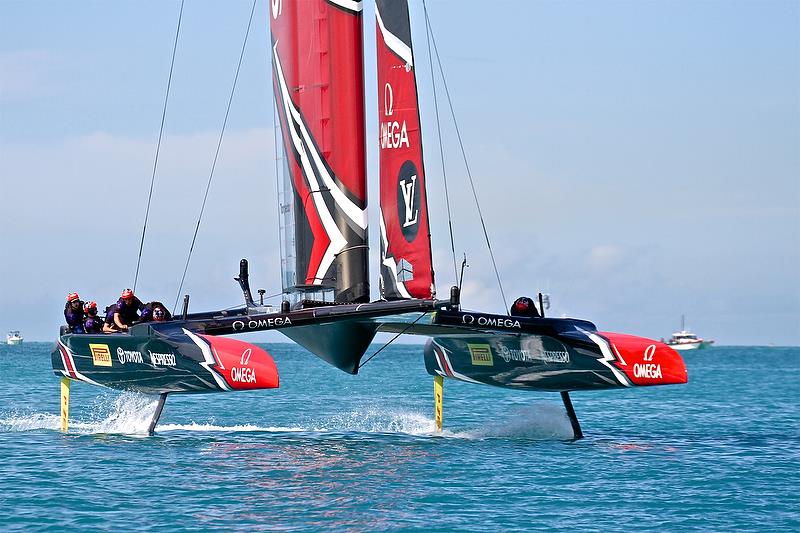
x: 68, y: 363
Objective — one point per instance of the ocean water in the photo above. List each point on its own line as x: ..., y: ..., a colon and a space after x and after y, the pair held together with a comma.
x: 330, y: 451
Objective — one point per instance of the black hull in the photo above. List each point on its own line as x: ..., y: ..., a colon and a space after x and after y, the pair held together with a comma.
x: 157, y: 364
x: 554, y: 354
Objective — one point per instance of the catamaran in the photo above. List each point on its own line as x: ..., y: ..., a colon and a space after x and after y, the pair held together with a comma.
x: 318, y: 85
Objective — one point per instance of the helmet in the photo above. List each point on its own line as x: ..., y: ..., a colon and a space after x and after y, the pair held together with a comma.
x: 522, y: 304
x: 71, y: 297
x: 89, y: 307
x: 127, y: 293
x: 158, y: 313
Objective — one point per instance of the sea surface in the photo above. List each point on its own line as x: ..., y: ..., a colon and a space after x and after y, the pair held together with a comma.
x: 330, y: 451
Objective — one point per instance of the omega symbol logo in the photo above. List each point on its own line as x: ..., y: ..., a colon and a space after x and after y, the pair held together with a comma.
x: 388, y: 100
x: 649, y: 352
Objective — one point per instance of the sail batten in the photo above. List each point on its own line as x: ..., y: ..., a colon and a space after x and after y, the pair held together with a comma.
x: 406, y: 261
x: 319, y: 96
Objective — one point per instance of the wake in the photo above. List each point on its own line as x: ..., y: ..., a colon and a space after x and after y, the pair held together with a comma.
x: 130, y: 414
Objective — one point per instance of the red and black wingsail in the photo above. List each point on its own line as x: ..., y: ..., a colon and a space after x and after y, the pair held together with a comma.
x: 318, y: 78
x: 406, y: 263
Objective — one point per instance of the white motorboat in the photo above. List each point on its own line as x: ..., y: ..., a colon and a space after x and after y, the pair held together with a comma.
x: 13, y: 337
x: 686, y: 340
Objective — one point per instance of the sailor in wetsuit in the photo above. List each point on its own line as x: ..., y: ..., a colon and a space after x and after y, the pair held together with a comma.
x: 125, y: 312
x: 73, y: 312
x: 91, y: 322
x: 149, y: 312
x: 524, y: 306
x: 108, y: 323
x: 160, y: 314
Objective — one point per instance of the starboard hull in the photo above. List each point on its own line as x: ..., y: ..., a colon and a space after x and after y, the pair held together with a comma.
x: 548, y: 355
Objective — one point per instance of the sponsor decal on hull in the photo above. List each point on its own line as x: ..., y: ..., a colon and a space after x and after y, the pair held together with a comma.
x: 264, y: 323
x: 530, y: 356
x: 101, y: 355
x: 161, y: 359
x: 129, y: 356
x: 481, y: 354
x: 490, y: 321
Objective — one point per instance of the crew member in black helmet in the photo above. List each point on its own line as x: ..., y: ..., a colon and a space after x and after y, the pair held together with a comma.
x: 91, y: 322
x: 524, y: 306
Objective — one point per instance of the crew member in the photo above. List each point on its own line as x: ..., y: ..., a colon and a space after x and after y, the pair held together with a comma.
x: 91, y: 322
x: 148, y: 313
x: 73, y: 312
x: 160, y: 314
x: 108, y: 324
x: 524, y: 306
x: 126, y: 311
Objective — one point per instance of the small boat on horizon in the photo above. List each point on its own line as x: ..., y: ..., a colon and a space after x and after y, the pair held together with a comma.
x: 13, y: 338
x: 686, y: 340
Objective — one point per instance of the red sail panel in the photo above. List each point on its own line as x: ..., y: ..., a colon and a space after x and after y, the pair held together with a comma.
x: 406, y: 263
x: 318, y: 79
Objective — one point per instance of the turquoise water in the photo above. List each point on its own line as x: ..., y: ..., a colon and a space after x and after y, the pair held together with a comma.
x: 333, y: 451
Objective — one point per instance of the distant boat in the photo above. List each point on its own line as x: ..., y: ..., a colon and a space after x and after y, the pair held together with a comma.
x: 13, y: 337
x: 686, y: 340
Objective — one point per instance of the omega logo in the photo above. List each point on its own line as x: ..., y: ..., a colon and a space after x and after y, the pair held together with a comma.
x: 388, y: 100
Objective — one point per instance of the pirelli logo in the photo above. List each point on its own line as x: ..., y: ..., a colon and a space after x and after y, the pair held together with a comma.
x: 101, y: 355
x: 481, y: 354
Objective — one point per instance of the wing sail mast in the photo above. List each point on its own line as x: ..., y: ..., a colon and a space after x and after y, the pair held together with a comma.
x: 318, y: 79
x: 406, y: 261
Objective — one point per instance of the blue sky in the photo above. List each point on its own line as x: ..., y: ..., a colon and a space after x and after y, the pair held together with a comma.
x: 636, y: 160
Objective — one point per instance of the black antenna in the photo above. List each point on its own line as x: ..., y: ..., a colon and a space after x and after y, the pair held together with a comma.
x: 461, y: 278
x: 541, y: 305
x: 455, y: 290
x: 244, y: 282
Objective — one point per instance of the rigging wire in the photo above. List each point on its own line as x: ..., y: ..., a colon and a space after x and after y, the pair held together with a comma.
x: 158, y: 147
x: 466, y: 163
x: 392, y: 340
x: 216, y: 155
x: 441, y: 148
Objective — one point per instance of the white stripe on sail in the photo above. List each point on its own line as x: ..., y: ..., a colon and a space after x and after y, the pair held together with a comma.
x: 395, y: 45
x: 389, y: 262
x: 337, y: 240
x: 352, y: 5
x: 356, y: 214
